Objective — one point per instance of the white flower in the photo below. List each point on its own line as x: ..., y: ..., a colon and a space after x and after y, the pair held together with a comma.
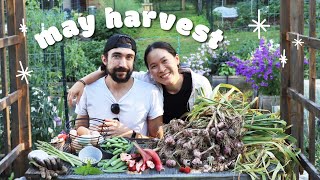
x: 50, y: 130
x: 33, y: 109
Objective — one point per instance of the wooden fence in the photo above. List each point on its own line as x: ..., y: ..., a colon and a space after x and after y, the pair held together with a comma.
x: 15, y: 101
x: 292, y: 100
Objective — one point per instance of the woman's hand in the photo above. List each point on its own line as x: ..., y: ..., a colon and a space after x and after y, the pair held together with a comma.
x: 116, y: 128
x: 75, y: 91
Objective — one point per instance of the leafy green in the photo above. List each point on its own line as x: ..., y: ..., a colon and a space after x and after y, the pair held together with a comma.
x: 87, y: 170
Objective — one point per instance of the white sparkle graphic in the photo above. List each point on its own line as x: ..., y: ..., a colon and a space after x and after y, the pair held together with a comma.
x: 259, y: 24
x: 23, y: 28
x: 297, y: 42
x: 283, y: 58
x: 24, y: 73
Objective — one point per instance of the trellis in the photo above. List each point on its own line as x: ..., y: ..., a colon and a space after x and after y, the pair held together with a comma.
x: 292, y: 99
x: 15, y: 93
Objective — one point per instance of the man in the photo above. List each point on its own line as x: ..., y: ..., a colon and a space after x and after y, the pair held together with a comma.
x: 137, y: 105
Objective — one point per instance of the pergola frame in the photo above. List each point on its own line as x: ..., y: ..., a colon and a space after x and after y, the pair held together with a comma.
x: 292, y: 100
x: 16, y: 120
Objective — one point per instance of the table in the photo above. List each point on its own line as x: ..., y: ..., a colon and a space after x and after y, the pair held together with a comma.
x: 169, y: 173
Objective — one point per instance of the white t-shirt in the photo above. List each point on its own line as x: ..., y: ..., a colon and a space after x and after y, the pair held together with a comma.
x: 141, y: 103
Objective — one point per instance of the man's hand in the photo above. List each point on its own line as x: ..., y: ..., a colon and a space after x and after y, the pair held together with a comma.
x: 75, y: 91
x: 115, y: 128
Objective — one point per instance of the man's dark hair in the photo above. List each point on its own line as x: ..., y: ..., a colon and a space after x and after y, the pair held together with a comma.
x: 119, y: 41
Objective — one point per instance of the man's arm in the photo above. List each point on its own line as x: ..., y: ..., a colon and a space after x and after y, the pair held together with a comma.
x: 155, y: 127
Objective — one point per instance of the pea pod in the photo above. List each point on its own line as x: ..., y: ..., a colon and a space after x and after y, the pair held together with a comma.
x: 118, y: 165
x: 113, y: 163
x: 110, y: 161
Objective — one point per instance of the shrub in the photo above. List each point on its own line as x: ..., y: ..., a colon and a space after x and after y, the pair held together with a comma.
x: 211, y: 62
x: 262, y: 70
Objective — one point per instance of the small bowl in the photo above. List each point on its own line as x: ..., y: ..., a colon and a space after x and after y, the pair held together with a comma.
x: 90, y: 154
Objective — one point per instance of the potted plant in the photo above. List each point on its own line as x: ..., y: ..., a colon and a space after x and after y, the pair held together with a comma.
x: 262, y: 71
x: 213, y: 64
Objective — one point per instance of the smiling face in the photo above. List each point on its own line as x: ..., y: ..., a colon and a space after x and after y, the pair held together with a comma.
x: 119, y: 63
x: 163, y: 66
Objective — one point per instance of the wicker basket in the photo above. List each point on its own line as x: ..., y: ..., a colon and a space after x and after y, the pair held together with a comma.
x: 93, y: 139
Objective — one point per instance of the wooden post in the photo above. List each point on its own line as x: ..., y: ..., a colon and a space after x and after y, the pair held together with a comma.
x: 4, y: 84
x: 4, y: 80
x: 21, y: 126
x: 312, y: 82
x: 297, y: 70
x: 285, y: 78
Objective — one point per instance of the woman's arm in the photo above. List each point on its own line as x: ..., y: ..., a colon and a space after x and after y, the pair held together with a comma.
x: 77, y: 89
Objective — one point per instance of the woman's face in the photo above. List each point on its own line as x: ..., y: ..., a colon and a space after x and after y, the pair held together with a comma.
x: 163, y: 66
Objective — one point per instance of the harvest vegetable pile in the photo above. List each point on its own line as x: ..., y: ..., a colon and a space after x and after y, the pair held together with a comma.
x: 210, y: 139
x: 221, y: 133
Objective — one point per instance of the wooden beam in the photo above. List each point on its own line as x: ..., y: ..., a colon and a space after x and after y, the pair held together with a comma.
x: 309, y: 105
x: 10, y: 99
x: 308, y: 41
x: 8, y: 159
x: 312, y: 81
x: 312, y: 171
x: 9, y: 41
x: 5, y: 84
x: 296, y: 73
x: 24, y: 120
x: 285, y: 72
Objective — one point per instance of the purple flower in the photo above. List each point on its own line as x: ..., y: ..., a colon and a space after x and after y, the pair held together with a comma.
x: 58, y: 120
x: 262, y: 71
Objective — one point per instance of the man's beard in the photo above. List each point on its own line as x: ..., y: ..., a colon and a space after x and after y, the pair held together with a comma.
x: 114, y: 76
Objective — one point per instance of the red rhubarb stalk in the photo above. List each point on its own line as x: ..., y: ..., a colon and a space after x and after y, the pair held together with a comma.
x: 146, y: 157
x: 155, y: 158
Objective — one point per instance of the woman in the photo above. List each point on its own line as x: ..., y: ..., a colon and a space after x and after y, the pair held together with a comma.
x: 180, y: 87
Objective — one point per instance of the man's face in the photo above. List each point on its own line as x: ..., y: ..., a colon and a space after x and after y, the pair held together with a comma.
x: 119, y: 64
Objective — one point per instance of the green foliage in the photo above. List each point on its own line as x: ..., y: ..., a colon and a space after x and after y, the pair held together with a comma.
x: 87, y: 170
x: 245, y: 51
x: 101, y: 32
x: 43, y: 111
x: 77, y: 64
x: 207, y: 61
x: 218, y: 65
x: 245, y: 16
x: 225, y: 70
x: 93, y: 51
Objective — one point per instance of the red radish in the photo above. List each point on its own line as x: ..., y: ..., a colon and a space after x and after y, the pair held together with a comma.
x: 181, y: 169
x: 187, y: 169
x: 155, y: 158
x: 133, y: 168
x: 143, y: 167
x: 139, y: 164
x: 63, y: 136
x: 131, y: 163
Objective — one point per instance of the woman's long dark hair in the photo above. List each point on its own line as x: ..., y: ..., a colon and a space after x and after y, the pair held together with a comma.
x: 158, y: 45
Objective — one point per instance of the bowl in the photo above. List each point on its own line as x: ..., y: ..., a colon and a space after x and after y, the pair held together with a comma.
x: 78, y: 141
x: 90, y: 154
